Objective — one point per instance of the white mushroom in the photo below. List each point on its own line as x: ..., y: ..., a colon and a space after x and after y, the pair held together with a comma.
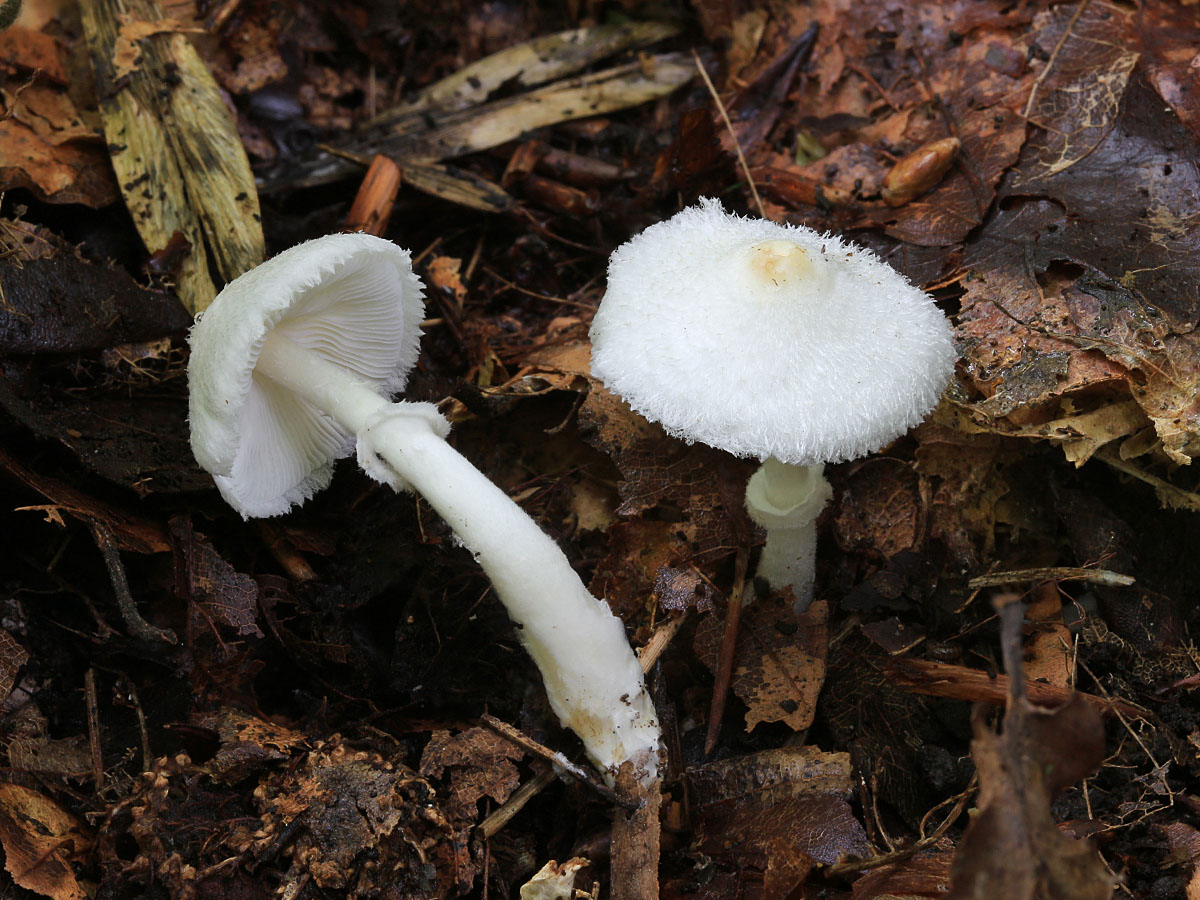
x: 290, y: 369
x: 775, y: 342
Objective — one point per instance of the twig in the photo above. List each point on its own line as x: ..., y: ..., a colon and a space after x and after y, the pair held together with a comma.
x: 848, y: 868
x: 490, y: 826
x: 924, y: 676
x: 737, y: 146
x: 662, y: 637
x: 93, y: 720
x: 496, y: 820
x: 138, y: 626
x: 1167, y: 492
x: 725, y: 656
x: 512, y: 286
x: 578, y: 772
x: 1054, y: 573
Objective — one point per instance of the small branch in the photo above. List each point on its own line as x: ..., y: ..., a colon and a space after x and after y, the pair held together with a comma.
x: 662, y: 637
x: 581, y: 774
x: 962, y: 683
x: 93, y: 720
x: 490, y: 826
x: 1055, y: 573
x: 874, y: 862
x: 725, y: 656
x: 139, y: 627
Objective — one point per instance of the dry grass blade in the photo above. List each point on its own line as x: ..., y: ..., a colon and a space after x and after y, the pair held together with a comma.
x: 174, y: 145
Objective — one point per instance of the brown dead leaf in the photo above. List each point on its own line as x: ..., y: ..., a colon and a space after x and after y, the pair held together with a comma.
x: 1183, y: 842
x: 71, y: 172
x: 1013, y: 849
x: 12, y: 657
x: 248, y: 744
x: 68, y: 757
x: 443, y: 272
x: 780, y: 811
x: 680, y: 590
x: 478, y: 763
x: 39, y: 836
x: 49, y: 112
x: 30, y: 50
x: 249, y: 57
x: 991, y: 141
x: 1073, y: 285
x: 779, y: 663
x: 879, y: 508
x: 1090, y: 53
x: 925, y: 875
x: 222, y: 593
x: 361, y: 819
x: 967, y: 477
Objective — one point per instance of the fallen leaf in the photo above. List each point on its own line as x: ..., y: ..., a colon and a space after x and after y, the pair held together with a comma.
x: 480, y: 763
x: 1013, y: 849
x: 924, y: 875
x: 779, y: 662
x: 1183, y: 842
x: 780, y: 811
x: 554, y: 881
x: 248, y: 744
x: 12, y: 657
x: 223, y: 594
x: 444, y: 275
x: 39, y: 836
x: 1089, y: 56
x: 70, y: 172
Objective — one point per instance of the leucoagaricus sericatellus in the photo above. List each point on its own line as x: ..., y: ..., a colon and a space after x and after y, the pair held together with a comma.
x: 292, y: 367
x: 775, y: 342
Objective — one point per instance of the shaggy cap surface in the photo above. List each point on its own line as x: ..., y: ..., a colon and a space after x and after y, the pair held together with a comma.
x: 821, y: 356
x: 351, y: 298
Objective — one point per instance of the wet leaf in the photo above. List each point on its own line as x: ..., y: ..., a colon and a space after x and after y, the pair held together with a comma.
x: 223, y: 594
x: 69, y: 172
x: 65, y: 305
x: 1089, y: 56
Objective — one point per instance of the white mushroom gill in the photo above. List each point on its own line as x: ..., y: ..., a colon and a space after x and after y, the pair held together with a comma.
x: 290, y: 369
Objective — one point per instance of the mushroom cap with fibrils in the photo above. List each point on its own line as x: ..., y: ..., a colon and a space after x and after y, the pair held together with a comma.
x: 768, y: 340
x: 351, y: 298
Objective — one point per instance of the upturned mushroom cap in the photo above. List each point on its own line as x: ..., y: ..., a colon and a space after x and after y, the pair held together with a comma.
x: 353, y: 299
x: 768, y: 340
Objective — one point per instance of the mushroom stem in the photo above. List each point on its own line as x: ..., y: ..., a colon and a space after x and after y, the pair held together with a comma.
x: 786, y: 500
x: 592, y: 677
